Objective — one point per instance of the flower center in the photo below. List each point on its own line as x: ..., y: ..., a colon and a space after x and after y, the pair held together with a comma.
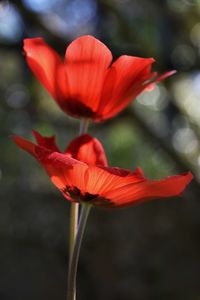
x: 77, y: 195
x: 76, y: 108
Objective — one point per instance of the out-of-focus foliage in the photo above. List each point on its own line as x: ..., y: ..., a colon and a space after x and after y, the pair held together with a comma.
x: 151, y: 251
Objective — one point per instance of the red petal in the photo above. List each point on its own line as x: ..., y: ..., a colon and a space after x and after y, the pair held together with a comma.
x: 87, y: 149
x: 25, y: 145
x: 46, y: 65
x: 165, y: 75
x: 123, y: 79
x: 65, y: 172
x: 38, y: 152
x: 147, y: 190
x: 100, y: 180
x: 150, y: 86
x: 47, y: 142
x: 87, y: 60
x: 137, y: 174
x: 64, y: 169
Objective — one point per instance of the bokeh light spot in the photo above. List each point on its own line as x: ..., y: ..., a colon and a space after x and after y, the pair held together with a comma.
x: 11, y: 26
x: 185, y: 141
x: 41, y: 6
x: 195, y: 35
x: 17, y: 96
x: 187, y: 95
x: 155, y: 100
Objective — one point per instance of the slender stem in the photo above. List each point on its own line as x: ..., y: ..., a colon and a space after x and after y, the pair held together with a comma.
x: 73, y: 263
x: 74, y: 213
x: 84, y: 126
x: 73, y: 225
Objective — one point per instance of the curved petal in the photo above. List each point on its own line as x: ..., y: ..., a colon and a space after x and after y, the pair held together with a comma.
x: 39, y: 152
x: 137, y: 174
x: 87, y: 149
x: 25, y: 145
x: 146, y: 190
x: 126, y: 74
x: 100, y: 180
x: 156, y: 79
x: 47, y: 66
x: 64, y: 171
x: 165, y: 75
x: 87, y: 60
x: 47, y: 142
x: 67, y: 174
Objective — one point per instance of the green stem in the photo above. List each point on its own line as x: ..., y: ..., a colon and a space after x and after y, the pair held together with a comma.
x: 73, y: 263
x: 73, y: 225
x: 74, y: 213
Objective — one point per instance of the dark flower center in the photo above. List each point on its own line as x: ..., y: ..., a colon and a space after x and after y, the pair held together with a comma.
x: 76, y: 108
x: 96, y: 199
x: 76, y: 194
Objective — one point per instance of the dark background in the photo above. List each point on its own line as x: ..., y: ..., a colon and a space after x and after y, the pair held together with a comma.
x: 147, y: 252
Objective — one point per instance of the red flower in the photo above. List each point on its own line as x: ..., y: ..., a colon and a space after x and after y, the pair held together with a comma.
x: 81, y: 174
x: 87, y: 84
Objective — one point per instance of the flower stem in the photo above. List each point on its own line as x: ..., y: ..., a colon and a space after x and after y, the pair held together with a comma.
x: 84, y: 126
x: 74, y: 210
x: 74, y: 213
x: 73, y: 263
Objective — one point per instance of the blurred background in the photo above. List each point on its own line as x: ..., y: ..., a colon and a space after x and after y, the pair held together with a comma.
x: 147, y: 252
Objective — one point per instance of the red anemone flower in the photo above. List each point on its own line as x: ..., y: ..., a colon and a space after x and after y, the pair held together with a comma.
x: 87, y: 84
x: 81, y: 173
